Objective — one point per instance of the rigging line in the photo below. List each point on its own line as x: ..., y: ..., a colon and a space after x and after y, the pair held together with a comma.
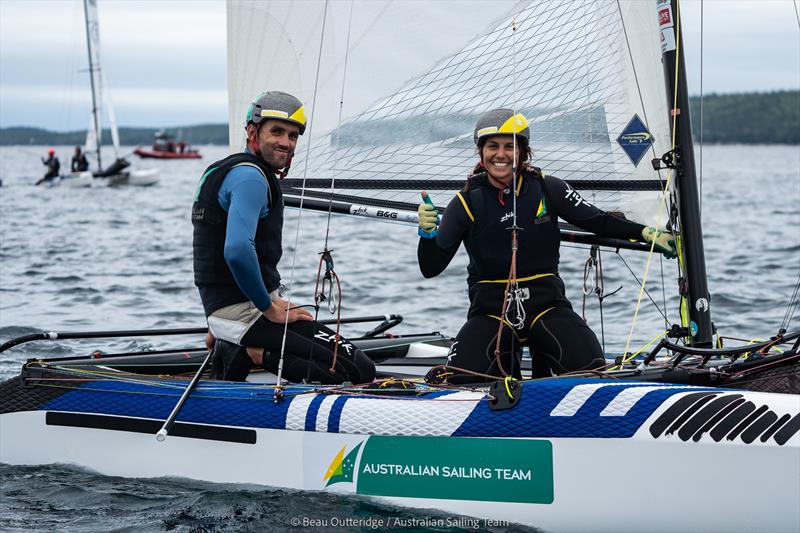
x: 278, y: 390
x: 339, y: 123
x: 796, y: 12
x: 514, y: 113
x: 642, y: 289
x: 700, y: 177
x: 793, y: 303
x: 635, y: 73
x: 664, y: 292
x: 645, y: 290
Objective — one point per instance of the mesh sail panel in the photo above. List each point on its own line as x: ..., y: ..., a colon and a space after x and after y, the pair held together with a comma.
x: 579, y: 71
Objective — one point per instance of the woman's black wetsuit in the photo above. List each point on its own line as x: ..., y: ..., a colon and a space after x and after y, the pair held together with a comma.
x: 480, y: 216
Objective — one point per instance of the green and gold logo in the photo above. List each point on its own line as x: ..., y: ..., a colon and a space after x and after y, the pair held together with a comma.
x: 342, y: 468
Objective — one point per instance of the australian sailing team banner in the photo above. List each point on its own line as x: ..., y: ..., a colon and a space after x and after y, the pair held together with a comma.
x: 509, y: 470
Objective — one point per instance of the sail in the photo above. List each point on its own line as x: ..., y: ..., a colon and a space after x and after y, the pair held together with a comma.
x: 112, y: 118
x: 587, y: 75
x: 94, y: 135
x: 101, y: 98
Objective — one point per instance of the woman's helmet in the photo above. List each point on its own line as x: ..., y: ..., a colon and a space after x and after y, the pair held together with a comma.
x: 277, y: 105
x: 502, y: 121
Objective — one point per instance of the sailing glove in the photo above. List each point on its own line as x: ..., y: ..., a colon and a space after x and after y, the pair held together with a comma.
x: 428, y: 218
x: 664, y: 241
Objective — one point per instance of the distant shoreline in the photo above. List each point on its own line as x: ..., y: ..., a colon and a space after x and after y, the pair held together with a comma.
x: 741, y: 118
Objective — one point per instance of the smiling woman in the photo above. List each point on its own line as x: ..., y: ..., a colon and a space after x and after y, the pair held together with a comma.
x: 507, y: 216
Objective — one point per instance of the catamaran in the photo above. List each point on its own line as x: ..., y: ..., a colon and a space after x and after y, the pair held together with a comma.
x: 118, y: 172
x: 664, y: 439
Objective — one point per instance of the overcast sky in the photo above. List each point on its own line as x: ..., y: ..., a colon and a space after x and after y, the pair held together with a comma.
x: 165, y: 60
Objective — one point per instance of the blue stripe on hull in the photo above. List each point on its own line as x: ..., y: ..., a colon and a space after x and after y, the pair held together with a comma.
x: 532, y: 416
x: 247, y: 405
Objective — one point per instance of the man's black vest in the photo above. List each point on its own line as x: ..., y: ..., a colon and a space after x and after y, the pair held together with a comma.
x: 213, y: 277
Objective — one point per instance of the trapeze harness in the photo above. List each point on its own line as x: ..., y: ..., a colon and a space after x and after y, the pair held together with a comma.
x: 541, y: 316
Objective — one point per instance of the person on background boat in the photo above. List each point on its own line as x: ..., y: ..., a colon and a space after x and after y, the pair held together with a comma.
x: 52, y: 164
x: 79, y: 162
x: 481, y: 215
x: 238, y: 219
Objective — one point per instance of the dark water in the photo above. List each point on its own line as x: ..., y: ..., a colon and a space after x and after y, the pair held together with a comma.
x: 120, y: 258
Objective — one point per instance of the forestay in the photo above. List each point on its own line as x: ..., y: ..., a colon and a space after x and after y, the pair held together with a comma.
x: 580, y: 71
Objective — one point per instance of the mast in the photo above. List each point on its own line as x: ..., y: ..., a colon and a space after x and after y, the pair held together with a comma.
x: 694, y: 288
x: 95, y: 115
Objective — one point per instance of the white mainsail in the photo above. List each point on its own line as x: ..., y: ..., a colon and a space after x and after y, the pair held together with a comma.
x: 580, y: 71
x: 99, y: 86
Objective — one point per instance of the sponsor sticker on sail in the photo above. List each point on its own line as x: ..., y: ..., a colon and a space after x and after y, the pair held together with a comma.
x: 665, y: 25
x: 635, y: 139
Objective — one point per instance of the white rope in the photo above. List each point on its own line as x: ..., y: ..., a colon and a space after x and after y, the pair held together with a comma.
x: 338, y: 124
x: 302, y: 198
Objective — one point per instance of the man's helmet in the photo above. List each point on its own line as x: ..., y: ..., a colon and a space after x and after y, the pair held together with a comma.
x: 502, y: 121
x: 51, y: 151
x: 277, y: 105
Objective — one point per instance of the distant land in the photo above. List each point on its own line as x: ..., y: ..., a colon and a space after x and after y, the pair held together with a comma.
x: 743, y: 118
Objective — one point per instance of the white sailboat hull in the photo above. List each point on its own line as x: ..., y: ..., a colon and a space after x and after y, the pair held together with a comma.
x: 77, y: 180
x: 642, y: 482
x: 136, y: 178
x: 144, y: 177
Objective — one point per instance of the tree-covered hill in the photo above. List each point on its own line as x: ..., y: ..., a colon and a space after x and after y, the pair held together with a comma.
x: 748, y: 118
x: 202, y: 134
x: 745, y: 118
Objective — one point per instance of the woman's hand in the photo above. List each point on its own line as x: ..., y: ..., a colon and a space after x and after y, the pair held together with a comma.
x: 428, y: 217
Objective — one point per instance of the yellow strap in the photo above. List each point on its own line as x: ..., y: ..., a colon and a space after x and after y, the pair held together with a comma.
x: 508, y: 389
x: 529, y: 278
x: 466, y: 207
x: 519, y: 184
x: 643, y: 348
x: 506, y: 323
x: 540, y: 315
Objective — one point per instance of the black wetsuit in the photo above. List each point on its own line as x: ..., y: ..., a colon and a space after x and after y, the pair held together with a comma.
x: 53, y: 166
x: 79, y: 163
x: 479, y: 216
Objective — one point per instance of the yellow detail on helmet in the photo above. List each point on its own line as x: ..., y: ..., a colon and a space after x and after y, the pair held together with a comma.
x: 514, y: 124
x: 299, y: 115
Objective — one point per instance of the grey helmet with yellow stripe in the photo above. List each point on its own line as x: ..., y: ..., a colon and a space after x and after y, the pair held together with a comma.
x: 502, y: 121
x: 277, y: 105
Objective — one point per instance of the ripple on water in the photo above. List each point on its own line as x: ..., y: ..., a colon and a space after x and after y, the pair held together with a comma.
x: 66, y: 499
x: 134, y: 249
x: 64, y: 279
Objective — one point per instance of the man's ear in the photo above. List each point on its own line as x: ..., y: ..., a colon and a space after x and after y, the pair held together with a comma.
x: 252, y: 133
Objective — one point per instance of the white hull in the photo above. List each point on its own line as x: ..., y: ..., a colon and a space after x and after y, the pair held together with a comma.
x: 136, y: 178
x: 143, y: 177
x: 77, y: 180
x: 637, y: 483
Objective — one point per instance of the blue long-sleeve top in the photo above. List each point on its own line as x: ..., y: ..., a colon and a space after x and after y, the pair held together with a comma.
x: 244, y: 195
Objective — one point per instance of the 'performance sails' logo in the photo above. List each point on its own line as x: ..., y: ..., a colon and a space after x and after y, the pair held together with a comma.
x: 635, y: 140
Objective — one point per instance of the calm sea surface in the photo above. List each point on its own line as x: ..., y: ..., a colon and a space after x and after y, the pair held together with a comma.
x: 120, y: 258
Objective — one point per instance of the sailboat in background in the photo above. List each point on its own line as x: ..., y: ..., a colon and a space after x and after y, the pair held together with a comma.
x: 117, y: 173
